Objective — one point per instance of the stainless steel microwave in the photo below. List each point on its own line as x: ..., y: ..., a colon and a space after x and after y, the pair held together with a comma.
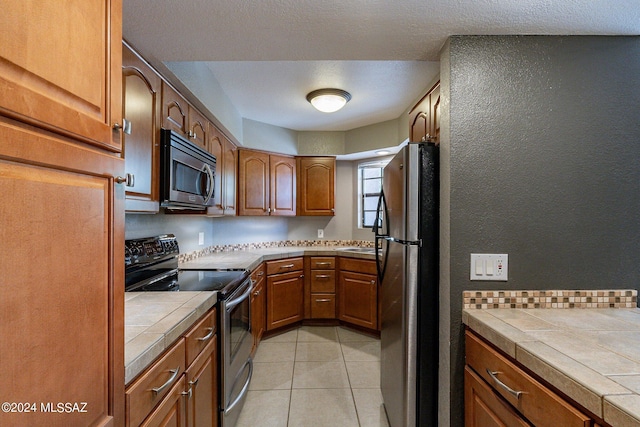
x: 187, y: 173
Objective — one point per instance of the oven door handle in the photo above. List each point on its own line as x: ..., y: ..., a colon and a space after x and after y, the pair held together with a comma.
x: 245, y: 387
x: 231, y: 304
x: 211, y: 179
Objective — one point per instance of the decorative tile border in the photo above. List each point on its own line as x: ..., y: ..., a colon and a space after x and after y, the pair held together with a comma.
x: 266, y: 245
x: 608, y: 298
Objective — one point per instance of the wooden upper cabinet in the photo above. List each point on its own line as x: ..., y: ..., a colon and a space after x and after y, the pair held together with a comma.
x: 175, y: 110
x: 424, y: 118
x: 216, y: 147
x: 230, y: 172
x: 141, y: 87
x: 253, y: 182
x: 60, y: 72
x: 316, y: 185
x: 198, y: 128
x: 283, y: 185
x: 266, y: 184
x: 225, y: 153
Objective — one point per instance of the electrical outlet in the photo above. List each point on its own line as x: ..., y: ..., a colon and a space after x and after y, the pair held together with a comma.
x: 201, y: 238
x: 489, y: 267
x: 320, y: 233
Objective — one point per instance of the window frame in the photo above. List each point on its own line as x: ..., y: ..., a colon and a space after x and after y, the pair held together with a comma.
x: 371, y: 164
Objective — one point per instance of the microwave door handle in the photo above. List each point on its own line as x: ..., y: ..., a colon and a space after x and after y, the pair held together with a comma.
x: 210, y: 183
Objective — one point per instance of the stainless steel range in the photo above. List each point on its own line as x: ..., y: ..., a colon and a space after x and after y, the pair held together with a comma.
x: 151, y: 264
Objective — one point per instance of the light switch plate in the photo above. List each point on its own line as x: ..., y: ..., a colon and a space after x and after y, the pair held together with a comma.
x: 320, y: 233
x: 201, y: 238
x: 493, y: 267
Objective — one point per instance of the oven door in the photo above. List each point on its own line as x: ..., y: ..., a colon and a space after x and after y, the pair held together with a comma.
x: 237, y: 343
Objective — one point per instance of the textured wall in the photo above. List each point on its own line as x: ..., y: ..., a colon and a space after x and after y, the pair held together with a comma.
x: 263, y: 136
x: 543, y: 165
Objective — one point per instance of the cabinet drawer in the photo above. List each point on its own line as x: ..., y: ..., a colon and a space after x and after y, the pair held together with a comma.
x: 323, y: 306
x: 284, y: 266
x: 323, y: 262
x: 358, y: 265
x: 200, y: 335
x: 537, y: 403
x: 323, y: 281
x: 165, y: 372
x: 257, y: 274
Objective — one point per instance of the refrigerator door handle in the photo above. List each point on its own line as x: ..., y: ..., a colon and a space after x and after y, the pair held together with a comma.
x: 404, y: 242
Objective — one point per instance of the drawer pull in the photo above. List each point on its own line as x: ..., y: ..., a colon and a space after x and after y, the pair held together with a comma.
x: 208, y: 336
x: 503, y: 386
x: 322, y: 263
x: 287, y: 266
x: 260, y: 273
x: 322, y: 276
x: 174, y: 375
x: 323, y: 300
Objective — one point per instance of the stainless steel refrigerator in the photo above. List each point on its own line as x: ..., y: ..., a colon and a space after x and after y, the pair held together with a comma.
x: 407, y: 244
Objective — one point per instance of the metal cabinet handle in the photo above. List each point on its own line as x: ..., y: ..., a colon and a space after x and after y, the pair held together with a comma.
x: 302, y: 276
x: 174, y: 375
x: 208, y: 336
x: 323, y: 300
x: 116, y: 126
x: 287, y: 266
x: 373, y: 282
x: 322, y: 276
x: 322, y: 263
x: 256, y: 293
x: 260, y: 273
x: 129, y: 180
x: 503, y: 386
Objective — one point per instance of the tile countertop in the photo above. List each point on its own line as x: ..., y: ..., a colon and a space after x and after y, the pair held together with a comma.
x: 154, y: 320
x: 592, y: 355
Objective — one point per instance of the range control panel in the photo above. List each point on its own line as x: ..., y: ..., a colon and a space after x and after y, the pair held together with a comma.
x: 149, y: 249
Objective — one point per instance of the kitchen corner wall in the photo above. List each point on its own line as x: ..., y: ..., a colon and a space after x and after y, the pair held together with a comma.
x: 540, y: 161
x: 252, y: 229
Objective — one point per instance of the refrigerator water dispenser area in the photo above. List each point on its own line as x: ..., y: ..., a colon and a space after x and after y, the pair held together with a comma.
x: 494, y: 267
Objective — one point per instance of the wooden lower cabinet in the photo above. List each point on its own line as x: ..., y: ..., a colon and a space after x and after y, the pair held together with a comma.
x: 258, y: 306
x: 202, y: 388
x: 320, y: 295
x: 181, y: 387
x: 285, y: 293
x: 492, y: 383
x: 484, y: 408
x: 358, y: 293
x: 171, y: 412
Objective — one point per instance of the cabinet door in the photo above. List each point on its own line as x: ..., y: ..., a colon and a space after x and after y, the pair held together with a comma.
x: 198, y: 128
x: 285, y: 299
x: 230, y: 170
x: 316, y: 185
x: 140, y: 88
x: 171, y: 412
x: 60, y: 67
x: 202, y: 381
x: 258, y: 311
x: 484, y: 408
x: 217, y: 148
x: 253, y: 183
x: 424, y: 117
x: 358, y: 299
x: 434, y: 106
x: 283, y: 185
x: 174, y: 110
x: 62, y: 254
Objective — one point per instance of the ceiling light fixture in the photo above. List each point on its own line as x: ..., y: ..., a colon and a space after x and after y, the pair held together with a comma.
x: 328, y: 100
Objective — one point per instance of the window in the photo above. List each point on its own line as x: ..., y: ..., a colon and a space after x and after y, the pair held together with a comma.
x: 369, y: 188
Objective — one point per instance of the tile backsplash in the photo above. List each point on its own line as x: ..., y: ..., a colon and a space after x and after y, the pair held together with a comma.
x: 190, y: 256
x: 621, y: 298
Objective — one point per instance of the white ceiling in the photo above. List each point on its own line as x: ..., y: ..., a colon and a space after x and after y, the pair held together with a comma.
x: 268, y: 54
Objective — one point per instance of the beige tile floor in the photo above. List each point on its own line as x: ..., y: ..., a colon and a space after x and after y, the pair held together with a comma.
x: 315, y: 376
